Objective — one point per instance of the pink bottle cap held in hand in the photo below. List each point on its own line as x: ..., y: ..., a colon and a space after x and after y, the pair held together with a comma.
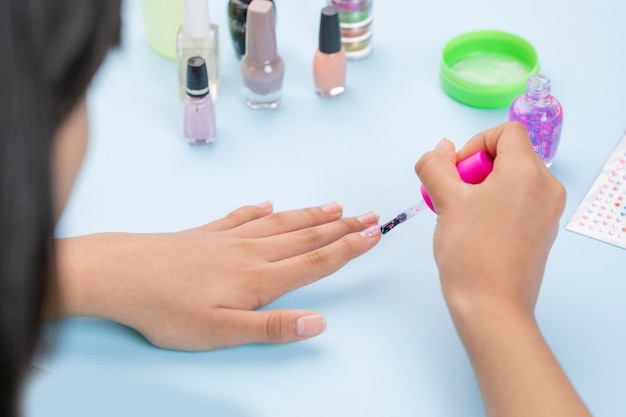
x: 472, y: 170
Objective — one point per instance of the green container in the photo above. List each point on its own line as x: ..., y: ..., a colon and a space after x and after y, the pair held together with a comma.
x: 162, y: 20
x: 354, y: 16
x: 487, y: 68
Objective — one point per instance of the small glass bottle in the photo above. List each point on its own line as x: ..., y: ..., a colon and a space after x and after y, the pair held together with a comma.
x: 198, y: 37
x: 199, y: 111
x: 541, y: 114
x: 330, y: 62
x: 262, y: 69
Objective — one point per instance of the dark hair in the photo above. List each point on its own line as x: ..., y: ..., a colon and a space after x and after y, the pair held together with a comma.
x: 49, y: 52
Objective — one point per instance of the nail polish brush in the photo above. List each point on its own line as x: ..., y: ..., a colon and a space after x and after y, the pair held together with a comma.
x: 472, y: 170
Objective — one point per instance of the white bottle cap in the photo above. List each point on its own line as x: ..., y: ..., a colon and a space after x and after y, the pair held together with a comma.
x: 196, y: 18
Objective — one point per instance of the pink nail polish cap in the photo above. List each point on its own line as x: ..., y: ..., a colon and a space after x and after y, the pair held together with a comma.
x: 472, y: 170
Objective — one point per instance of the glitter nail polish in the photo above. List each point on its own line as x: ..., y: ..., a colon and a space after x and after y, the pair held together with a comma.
x: 330, y: 62
x: 199, y: 112
x: 541, y: 114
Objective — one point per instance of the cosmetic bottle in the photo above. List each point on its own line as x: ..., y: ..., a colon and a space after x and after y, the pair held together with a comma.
x: 330, y: 62
x: 198, y: 37
x: 237, y: 16
x: 541, y: 114
x: 356, y: 22
x: 262, y: 68
x: 199, y: 111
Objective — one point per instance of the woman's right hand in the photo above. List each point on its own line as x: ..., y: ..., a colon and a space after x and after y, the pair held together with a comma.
x: 491, y: 245
x: 492, y: 239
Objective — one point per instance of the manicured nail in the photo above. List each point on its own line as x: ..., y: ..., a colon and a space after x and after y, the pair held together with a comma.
x: 371, y: 231
x: 309, y: 326
x: 441, y: 143
x: 369, y: 217
x: 265, y: 205
x: 332, y: 208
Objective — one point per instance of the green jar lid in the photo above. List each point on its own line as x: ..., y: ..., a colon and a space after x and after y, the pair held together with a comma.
x: 487, y: 68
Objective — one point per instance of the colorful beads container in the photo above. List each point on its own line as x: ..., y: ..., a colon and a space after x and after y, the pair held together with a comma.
x: 355, y: 18
x: 541, y: 114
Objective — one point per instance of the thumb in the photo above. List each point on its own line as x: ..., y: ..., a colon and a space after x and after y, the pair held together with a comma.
x: 268, y: 326
x: 438, y: 173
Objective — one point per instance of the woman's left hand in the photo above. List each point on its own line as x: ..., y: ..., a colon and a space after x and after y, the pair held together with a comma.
x: 199, y: 289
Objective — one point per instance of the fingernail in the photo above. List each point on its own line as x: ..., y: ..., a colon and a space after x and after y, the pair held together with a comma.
x: 331, y: 208
x: 441, y: 143
x: 265, y: 205
x: 309, y: 326
x: 368, y: 218
x: 371, y: 231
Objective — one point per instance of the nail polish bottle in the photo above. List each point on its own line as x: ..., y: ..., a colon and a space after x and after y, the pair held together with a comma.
x: 199, y: 111
x: 262, y: 68
x: 198, y: 37
x: 330, y: 62
x: 541, y: 114
x: 237, y: 16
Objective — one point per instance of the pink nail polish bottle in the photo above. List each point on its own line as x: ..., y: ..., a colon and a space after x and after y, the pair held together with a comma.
x: 199, y: 112
x: 330, y: 62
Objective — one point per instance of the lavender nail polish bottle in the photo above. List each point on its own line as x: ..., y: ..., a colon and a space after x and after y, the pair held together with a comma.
x: 199, y: 112
x: 541, y: 114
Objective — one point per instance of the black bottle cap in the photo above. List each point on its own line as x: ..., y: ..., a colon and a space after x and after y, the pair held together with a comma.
x: 197, y: 77
x: 330, y: 34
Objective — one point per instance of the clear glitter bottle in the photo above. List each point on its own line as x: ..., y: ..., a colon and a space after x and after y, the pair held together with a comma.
x: 541, y: 114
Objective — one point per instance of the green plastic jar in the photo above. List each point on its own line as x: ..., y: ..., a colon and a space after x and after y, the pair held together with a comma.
x: 487, y: 68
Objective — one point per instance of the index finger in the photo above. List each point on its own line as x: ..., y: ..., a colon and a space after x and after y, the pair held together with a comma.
x: 510, y: 137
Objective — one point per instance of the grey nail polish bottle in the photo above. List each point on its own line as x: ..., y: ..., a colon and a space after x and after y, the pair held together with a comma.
x: 262, y: 68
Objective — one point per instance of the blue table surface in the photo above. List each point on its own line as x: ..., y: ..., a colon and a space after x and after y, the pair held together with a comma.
x: 390, y: 348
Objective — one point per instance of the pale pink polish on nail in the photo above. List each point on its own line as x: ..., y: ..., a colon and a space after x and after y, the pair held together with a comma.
x: 441, y: 143
x: 265, y: 205
x: 368, y: 218
x: 371, y: 231
x: 331, y: 208
x: 309, y: 326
